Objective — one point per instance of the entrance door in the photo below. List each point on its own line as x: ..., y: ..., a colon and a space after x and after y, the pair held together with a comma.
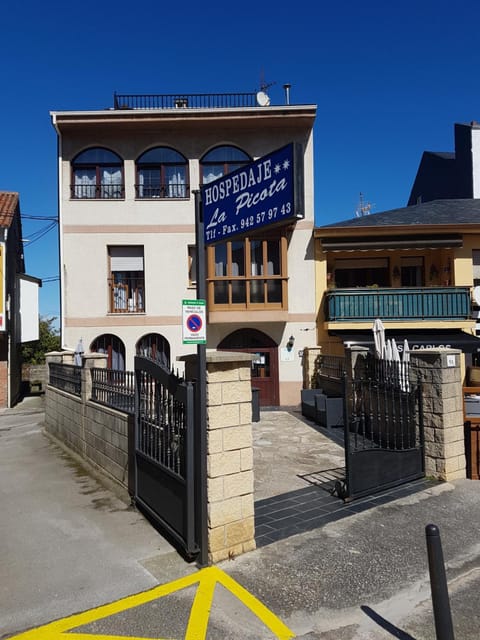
x: 264, y: 364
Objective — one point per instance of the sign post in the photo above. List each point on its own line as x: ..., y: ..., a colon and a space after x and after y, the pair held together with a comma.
x: 201, y: 501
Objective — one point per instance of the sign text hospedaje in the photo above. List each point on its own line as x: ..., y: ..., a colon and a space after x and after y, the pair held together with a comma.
x: 268, y: 191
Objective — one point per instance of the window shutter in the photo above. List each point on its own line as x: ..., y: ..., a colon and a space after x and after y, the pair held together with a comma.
x: 126, y: 258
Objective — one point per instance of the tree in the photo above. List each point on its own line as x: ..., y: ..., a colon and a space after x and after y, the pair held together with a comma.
x: 48, y: 340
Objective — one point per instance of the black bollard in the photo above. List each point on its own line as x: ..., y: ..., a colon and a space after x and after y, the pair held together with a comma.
x: 438, y: 584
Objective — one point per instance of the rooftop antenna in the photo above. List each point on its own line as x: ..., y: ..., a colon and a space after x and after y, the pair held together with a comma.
x: 263, y: 98
x: 363, y: 208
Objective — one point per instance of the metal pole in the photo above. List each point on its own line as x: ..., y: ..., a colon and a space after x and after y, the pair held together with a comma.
x: 201, y: 394
x: 438, y: 583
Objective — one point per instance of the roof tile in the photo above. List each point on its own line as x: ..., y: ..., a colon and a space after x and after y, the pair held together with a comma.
x: 8, y: 207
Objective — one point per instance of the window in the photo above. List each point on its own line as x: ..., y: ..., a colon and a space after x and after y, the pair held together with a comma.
x: 126, y: 281
x: 249, y: 273
x: 97, y: 173
x: 155, y: 347
x: 192, y: 265
x: 113, y: 347
x: 362, y: 273
x: 476, y: 267
x: 220, y: 161
x: 162, y: 173
x: 411, y: 269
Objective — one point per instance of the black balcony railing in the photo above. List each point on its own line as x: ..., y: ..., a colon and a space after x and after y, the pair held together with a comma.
x: 127, y: 296
x: 170, y: 190
x: 184, y: 101
x: 97, y: 191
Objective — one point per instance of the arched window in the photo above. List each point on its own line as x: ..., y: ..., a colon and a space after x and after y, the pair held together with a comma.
x: 113, y: 347
x: 155, y: 347
x: 97, y: 173
x: 162, y: 173
x: 220, y: 161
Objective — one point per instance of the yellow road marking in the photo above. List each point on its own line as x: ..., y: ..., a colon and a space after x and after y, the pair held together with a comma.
x: 199, y: 613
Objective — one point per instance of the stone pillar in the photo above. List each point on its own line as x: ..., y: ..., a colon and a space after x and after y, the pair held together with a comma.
x: 310, y: 355
x: 91, y: 361
x: 231, y: 528
x: 440, y: 374
x: 58, y: 357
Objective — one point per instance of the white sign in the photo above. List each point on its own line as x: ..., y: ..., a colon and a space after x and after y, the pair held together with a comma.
x: 287, y: 355
x: 194, y: 322
x: 450, y: 360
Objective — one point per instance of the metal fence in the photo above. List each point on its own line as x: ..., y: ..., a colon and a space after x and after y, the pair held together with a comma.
x: 394, y: 372
x: 66, y: 377
x: 114, y: 388
x: 184, y: 101
x: 330, y: 366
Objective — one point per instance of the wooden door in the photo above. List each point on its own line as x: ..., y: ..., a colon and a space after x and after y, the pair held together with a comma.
x: 264, y: 364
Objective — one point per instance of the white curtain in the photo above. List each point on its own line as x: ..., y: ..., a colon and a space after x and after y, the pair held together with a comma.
x: 111, y: 182
x: 176, y: 182
x: 85, y: 180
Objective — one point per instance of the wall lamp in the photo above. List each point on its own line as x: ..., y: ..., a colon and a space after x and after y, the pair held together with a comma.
x: 290, y: 343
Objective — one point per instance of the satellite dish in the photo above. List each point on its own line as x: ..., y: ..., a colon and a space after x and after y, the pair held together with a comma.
x: 263, y: 99
x: 476, y: 295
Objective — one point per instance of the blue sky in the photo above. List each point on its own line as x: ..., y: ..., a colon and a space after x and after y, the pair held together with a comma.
x: 389, y: 79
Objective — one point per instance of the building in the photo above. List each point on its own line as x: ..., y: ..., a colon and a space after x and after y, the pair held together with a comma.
x: 127, y: 177
x: 412, y: 267
x: 18, y: 300
x: 450, y: 175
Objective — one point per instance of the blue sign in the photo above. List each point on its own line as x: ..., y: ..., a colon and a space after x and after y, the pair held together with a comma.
x: 266, y: 192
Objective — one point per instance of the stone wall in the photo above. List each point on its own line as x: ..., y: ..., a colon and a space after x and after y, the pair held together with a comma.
x: 104, y: 437
x: 99, y: 435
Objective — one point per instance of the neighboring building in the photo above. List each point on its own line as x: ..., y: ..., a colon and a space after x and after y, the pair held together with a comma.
x: 127, y: 177
x: 19, y: 320
x: 447, y: 175
x: 413, y: 267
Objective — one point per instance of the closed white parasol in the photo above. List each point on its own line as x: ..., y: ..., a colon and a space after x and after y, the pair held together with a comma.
x: 379, y: 337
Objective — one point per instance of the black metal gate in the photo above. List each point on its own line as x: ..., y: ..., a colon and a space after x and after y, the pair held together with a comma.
x: 384, y: 443
x: 165, y: 452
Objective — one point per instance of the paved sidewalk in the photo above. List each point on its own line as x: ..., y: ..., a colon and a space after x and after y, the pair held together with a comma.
x: 359, y: 571
x: 67, y: 542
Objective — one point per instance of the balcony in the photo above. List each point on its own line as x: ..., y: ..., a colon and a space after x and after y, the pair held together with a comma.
x: 185, y: 101
x: 127, y: 296
x: 409, y: 304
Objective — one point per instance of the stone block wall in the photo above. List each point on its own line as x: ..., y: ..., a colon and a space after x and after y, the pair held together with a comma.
x: 98, y: 434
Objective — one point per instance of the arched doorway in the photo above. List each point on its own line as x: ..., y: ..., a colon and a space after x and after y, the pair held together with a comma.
x: 264, y: 365
x: 113, y: 347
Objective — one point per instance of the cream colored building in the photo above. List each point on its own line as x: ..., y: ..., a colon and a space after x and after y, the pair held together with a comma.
x: 127, y: 177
